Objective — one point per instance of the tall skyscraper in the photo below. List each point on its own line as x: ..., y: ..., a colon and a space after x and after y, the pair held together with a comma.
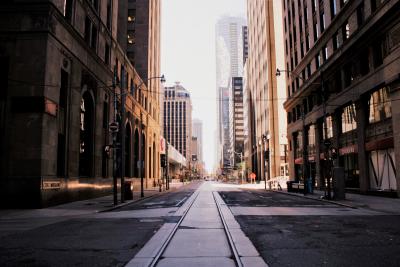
x: 139, y: 35
x: 229, y: 53
x: 236, y: 120
x: 266, y: 118
x: 178, y: 119
x: 197, y: 131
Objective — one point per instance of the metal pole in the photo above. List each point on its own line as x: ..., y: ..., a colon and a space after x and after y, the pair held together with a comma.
x: 122, y: 129
x: 141, y: 165
x: 325, y: 135
x: 305, y: 154
x: 115, y: 183
x: 167, y: 167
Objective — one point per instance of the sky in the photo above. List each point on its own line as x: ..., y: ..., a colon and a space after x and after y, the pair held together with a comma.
x: 188, y: 56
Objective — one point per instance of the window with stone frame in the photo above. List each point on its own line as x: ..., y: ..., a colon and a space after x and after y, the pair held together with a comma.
x: 379, y: 105
x: 349, y: 122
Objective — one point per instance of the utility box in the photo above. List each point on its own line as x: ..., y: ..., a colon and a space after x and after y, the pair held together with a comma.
x: 339, y: 183
x: 128, y: 193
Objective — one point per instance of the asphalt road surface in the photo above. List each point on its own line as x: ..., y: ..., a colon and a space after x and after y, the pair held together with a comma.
x: 288, y: 231
x: 101, y: 239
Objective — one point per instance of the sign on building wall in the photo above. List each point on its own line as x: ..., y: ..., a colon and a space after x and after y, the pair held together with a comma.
x: 162, y: 146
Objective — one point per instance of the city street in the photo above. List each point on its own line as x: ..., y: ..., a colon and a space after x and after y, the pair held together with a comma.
x: 193, y: 225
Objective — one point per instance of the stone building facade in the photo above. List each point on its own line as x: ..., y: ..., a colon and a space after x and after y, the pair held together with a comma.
x: 343, y: 69
x: 265, y: 93
x: 58, y: 60
x: 236, y: 121
x: 178, y: 119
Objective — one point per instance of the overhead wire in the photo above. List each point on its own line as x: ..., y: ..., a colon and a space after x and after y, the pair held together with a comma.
x: 110, y: 90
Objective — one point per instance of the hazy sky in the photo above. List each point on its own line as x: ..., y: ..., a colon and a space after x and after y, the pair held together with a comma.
x: 188, y: 56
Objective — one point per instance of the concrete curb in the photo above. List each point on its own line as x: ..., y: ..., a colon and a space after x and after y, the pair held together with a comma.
x: 318, y: 199
x: 126, y: 203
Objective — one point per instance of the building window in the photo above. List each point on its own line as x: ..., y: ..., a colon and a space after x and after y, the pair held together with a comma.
x: 322, y: 21
x: 298, y: 145
x: 333, y: 8
x: 68, y: 7
x: 328, y: 128
x: 107, y: 54
x: 109, y: 14
x: 342, y: 3
x: 131, y: 15
x: 315, y: 29
x: 346, y: 31
x: 351, y: 170
x: 318, y: 61
x: 379, y: 105
x: 360, y: 15
x: 90, y: 33
x: 375, y: 4
x: 308, y: 70
x: 363, y: 61
x: 335, y: 41
x: 313, y: 5
x: 349, y: 118
x: 379, y: 51
x: 348, y: 76
x: 95, y: 4
x: 131, y: 37
x: 324, y: 53
x: 311, y: 140
x: 86, y: 145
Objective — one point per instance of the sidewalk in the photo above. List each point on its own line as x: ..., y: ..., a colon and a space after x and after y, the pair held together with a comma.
x: 72, y: 209
x: 376, y: 203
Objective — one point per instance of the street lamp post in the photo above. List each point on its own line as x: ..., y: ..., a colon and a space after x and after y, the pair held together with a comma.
x: 141, y: 162
x: 305, y: 154
x: 115, y: 127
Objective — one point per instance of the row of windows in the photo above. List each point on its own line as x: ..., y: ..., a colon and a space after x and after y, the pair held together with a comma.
x: 379, y: 109
x: 351, y: 71
x: 359, y: 66
x: 337, y: 39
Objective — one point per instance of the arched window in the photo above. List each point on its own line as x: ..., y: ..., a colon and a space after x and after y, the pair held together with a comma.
x: 136, y: 154
x: 143, y: 156
x: 86, y: 143
x: 154, y: 160
x: 128, y: 149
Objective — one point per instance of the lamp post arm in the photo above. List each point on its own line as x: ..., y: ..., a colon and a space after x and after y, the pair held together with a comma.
x: 162, y: 79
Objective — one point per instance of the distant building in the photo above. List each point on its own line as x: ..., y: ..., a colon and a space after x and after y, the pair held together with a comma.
x: 245, y: 35
x: 142, y: 38
x: 236, y: 120
x: 265, y: 93
x: 178, y: 119
x: 197, y: 131
x: 229, y: 53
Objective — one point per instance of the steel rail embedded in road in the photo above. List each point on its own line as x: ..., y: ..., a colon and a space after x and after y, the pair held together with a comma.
x: 228, y: 234
x: 192, y: 200
x: 171, y: 235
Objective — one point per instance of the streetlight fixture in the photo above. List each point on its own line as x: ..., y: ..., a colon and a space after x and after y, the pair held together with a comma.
x: 141, y: 165
x: 115, y: 127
